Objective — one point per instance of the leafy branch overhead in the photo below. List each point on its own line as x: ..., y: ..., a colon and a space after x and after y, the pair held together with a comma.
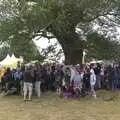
x: 78, y: 25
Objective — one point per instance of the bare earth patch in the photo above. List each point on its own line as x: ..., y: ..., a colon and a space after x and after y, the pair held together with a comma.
x: 51, y: 107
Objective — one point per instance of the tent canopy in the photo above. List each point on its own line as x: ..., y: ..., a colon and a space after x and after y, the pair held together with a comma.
x: 10, y: 61
x: 6, y: 61
x: 14, y: 59
x: 95, y: 61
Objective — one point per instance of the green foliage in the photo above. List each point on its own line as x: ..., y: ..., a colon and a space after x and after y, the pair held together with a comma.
x: 31, y: 18
x: 3, y: 52
x: 102, y: 48
x: 18, y: 36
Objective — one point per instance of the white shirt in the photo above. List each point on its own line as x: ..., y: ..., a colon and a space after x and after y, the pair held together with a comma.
x: 72, y: 74
x: 78, y: 80
x: 92, y: 78
x: 102, y: 72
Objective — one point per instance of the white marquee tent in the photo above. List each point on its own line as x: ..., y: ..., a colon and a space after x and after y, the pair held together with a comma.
x: 13, y: 59
x: 10, y: 61
x: 6, y: 61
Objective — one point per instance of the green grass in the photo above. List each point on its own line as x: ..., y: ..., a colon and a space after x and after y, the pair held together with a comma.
x: 51, y: 107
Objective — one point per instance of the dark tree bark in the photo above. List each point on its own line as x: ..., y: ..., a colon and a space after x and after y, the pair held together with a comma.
x: 73, y: 52
x: 73, y: 57
x: 72, y: 46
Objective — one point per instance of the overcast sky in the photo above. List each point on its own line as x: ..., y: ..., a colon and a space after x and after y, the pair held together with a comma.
x: 44, y: 43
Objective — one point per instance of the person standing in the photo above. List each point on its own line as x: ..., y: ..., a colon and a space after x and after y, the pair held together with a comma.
x: 78, y: 82
x: 86, y: 79
x: 18, y: 78
x: 110, y: 76
x: 59, y: 78
x: 118, y: 82
x: 52, y: 78
x: 92, y: 82
x: 115, y: 79
x: 102, y: 77
x: 97, y: 71
x: 67, y: 77
x: 38, y: 82
x: 28, y: 83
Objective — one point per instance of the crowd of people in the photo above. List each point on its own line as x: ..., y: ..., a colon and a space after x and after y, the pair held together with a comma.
x: 67, y: 81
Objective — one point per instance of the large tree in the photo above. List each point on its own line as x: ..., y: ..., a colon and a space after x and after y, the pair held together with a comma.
x: 69, y: 15
x: 60, y: 18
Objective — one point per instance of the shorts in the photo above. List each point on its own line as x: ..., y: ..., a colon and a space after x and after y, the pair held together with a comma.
x: 28, y: 87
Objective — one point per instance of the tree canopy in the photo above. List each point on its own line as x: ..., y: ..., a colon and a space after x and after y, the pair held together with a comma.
x: 71, y: 23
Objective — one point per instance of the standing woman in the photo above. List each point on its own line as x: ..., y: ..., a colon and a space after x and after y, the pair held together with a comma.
x: 92, y: 82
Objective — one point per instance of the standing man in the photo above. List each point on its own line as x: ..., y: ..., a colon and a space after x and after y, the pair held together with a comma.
x: 28, y: 83
x: 18, y: 78
x: 97, y: 71
x: 52, y: 78
x: 38, y: 81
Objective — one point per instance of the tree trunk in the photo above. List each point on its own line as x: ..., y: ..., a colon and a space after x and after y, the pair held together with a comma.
x: 73, y: 57
x: 71, y: 44
x: 73, y: 50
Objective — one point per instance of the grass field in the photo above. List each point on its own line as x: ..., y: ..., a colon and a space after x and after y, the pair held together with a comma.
x: 51, y: 107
